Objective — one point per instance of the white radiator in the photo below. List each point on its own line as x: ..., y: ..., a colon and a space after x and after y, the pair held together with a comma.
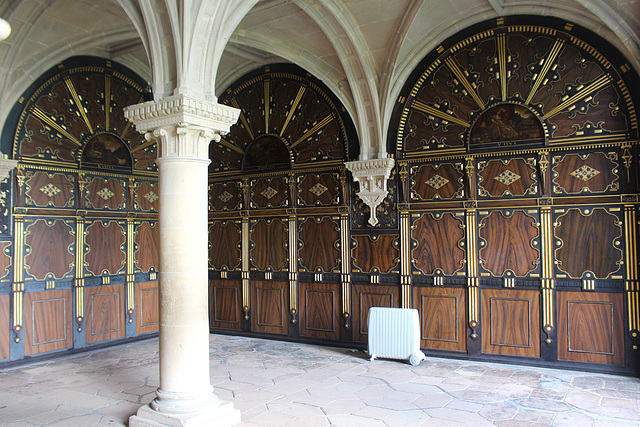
x: 394, y: 333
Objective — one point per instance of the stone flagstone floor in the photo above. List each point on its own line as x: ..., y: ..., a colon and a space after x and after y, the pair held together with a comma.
x: 277, y: 383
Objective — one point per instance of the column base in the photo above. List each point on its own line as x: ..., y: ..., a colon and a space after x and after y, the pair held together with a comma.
x: 220, y: 414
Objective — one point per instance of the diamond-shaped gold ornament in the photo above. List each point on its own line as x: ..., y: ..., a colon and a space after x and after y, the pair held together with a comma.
x: 269, y: 192
x: 106, y: 194
x: 318, y: 189
x: 507, y: 177
x: 225, y: 197
x: 436, y: 181
x: 151, y: 196
x: 585, y: 173
x: 50, y: 190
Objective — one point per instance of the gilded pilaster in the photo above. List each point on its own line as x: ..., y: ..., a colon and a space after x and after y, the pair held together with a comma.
x: 246, y: 289
x: 131, y: 278
x: 17, y: 288
x: 78, y: 283
x: 405, y: 256
x: 473, y: 281
x: 548, y: 282
x: 631, y: 284
x: 293, y: 265
x: 345, y: 277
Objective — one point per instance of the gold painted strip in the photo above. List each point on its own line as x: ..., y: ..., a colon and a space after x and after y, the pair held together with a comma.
x: 143, y: 146
x: 78, y: 101
x: 453, y: 66
x: 427, y: 109
x: 322, y: 123
x: 267, y: 95
x: 292, y: 110
x: 583, y: 92
x: 18, y: 252
x: 130, y: 297
x: 107, y: 100
x: 548, y: 61
x: 246, y: 291
x: 49, y: 121
x: 130, y: 123
x: 502, y: 58
x: 130, y: 246
x: 293, y: 264
x: 631, y: 243
x: 79, y: 248
x: 243, y: 119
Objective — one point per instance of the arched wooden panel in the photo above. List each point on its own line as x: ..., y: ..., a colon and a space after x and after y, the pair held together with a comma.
x: 367, y: 296
x: 224, y: 245
x: 44, y: 189
x: 49, y: 242
x: 509, y: 242
x: 146, y: 246
x: 48, y: 322
x: 579, y: 250
x: 320, y: 244
x: 375, y: 253
x: 106, y: 242
x: 147, y: 307
x: 104, y: 313
x: 269, y: 244
x: 105, y: 193
x: 320, y: 310
x: 439, y: 243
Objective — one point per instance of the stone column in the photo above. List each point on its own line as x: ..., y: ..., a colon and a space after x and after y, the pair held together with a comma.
x: 183, y: 128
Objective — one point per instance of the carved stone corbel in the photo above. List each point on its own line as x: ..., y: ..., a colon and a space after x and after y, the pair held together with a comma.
x: 372, y: 176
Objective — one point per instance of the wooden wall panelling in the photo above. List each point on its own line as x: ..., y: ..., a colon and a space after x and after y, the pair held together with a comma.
x: 225, y: 245
x: 439, y: 242
x: 507, y: 177
x: 319, y: 247
x: 5, y: 259
x: 320, y: 310
x: 269, y: 193
x: 43, y: 189
x: 367, y: 296
x: 443, y: 323
x: 105, y: 244
x: 104, y: 313
x: 50, y: 244
x: 591, y: 327
x: 437, y: 181
x: 146, y: 245
x: 147, y: 307
x: 270, y: 307
x: 580, y: 251
x: 322, y: 189
x: 511, y: 322
x: 48, y: 324
x: 376, y: 253
x: 225, y: 196
x: 509, y: 242
x: 586, y: 173
x: 146, y: 196
x: 225, y: 304
x: 105, y: 193
x: 4, y: 327
x: 269, y: 244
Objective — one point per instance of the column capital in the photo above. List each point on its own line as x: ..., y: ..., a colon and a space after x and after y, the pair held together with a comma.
x: 182, y: 125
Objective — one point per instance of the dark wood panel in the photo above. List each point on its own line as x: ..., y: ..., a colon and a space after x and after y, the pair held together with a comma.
x: 579, y: 249
x: 320, y: 240
x: 146, y: 240
x: 146, y: 196
x: 508, y: 177
x: 269, y: 309
x: 586, y: 173
x: 225, y: 241
x: 5, y: 260
x: 48, y: 321
x: 320, y: 310
x: 437, y: 181
x: 442, y: 317
x: 510, y: 322
x: 226, y: 304
x: 367, y: 296
x: 591, y: 327
x: 49, y: 256
x: 4, y: 327
x: 224, y: 196
x: 104, y: 313
x: 147, y: 307
x: 509, y: 242
x: 269, y: 192
x: 270, y: 238
x: 439, y: 240
x: 104, y: 193
x: 44, y: 189
x: 375, y: 253
x: 106, y: 246
x: 318, y: 189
